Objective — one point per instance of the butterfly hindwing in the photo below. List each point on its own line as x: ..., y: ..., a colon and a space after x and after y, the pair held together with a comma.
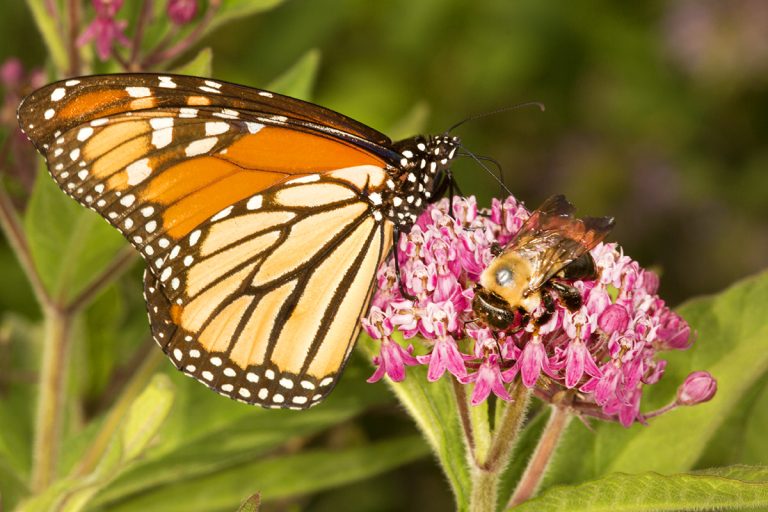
x: 229, y: 312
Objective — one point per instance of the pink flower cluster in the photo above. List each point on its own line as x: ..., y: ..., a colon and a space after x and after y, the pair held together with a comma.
x: 604, y: 353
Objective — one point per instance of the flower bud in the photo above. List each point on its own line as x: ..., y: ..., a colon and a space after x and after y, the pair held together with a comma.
x: 674, y: 333
x: 181, y: 12
x: 698, y: 387
x: 613, y: 318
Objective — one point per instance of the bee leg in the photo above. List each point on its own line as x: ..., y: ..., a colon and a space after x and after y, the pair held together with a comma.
x: 496, y: 249
x: 549, y: 308
x: 569, y: 295
x: 404, y: 293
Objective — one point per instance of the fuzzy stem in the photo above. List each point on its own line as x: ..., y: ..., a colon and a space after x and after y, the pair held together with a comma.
x: 466, y: 423
x: 50, y: 404
x: 485, y: 489
x: 534, y: 472
x: 122, y: 262
x: 14, y: 233
x: 505, y: 435
x: 489, y: 467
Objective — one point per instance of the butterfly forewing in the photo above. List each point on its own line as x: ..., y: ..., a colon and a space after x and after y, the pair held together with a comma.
x: 262, y: 218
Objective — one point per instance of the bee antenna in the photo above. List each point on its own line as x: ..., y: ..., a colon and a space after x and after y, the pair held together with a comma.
x: 480, y: 159
x: 497, y: 111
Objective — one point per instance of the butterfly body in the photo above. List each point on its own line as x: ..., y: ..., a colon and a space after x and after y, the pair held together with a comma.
x: 262, y: 218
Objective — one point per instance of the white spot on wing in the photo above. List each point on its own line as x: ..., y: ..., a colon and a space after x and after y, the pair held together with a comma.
x: 200, y: 146
x: 49, y: 113
x: 138, y: 92
x: 216, y: 127
x: 311, y: 178
x: 58, y: 93
x: 223, y: 213
x: 84, y: 133
x: 253, y: 127
x: 255, y: 202
x: 194, y: 237
x: 138, y: 171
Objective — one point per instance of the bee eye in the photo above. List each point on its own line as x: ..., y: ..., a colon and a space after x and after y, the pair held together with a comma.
x: 504, y: 277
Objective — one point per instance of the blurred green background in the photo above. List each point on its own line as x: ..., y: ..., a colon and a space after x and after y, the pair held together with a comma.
x: 657, y: 113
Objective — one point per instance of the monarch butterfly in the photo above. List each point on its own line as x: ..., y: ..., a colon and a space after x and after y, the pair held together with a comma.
x: 262, y: 218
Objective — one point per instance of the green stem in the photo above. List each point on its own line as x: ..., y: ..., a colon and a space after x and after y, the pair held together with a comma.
x: 466, y: 424
x: 135, y: 386
x: 505, y: 436
x: 485, y: 489
x: 537, y: 466
x: 489, y: 464
x: 119, y: 264
x: 50, y: 32
x: 14, y: 233
x: 50, y: 404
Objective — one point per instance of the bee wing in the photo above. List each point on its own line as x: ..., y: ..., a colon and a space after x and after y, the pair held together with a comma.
x: 552, y: 238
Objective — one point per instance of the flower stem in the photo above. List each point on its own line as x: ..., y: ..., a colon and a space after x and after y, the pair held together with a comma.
x: 74, y: 28
x: 489, y: 466
x: 14, y: 233
x: 466, y: 423
x: 534, y: 472
x: 505, y: 434
x: 165, y: 55
x: 485, y: 489
x: 50, y: 405
x: 119, y: 264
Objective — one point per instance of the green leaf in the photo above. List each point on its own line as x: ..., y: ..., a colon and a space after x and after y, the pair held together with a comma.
x: 146, y: 415
x: 252, y: 504
x: 70, y: 245
x: 141, y: 424
x: 732, y: 344
x: 46, y: 24
x: 432, y: 405
x: 231, y: 10
x: 200, y: 65
x: 206, y: 434
x: 722, y: 489
x: 277, y: 478
x: 299, y: 80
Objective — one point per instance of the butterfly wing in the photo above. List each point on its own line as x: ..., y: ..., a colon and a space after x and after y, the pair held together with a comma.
x: 263, y: 305
x: 254, y: 215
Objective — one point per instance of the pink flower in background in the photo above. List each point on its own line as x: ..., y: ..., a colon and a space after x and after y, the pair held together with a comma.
x: 182, y: 12
x: 105, y: 30
x: 608, y: 350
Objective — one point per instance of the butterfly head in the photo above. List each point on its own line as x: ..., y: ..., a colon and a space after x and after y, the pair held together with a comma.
x: 421, y: 176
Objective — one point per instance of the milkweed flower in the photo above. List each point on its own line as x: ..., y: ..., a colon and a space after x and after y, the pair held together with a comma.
x: 105, y: 30
x: 604, y: 354
x: 181, y: 12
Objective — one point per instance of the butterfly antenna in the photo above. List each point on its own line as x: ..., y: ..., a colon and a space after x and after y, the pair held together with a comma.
x: 479, y: 160
x: 497, y: 111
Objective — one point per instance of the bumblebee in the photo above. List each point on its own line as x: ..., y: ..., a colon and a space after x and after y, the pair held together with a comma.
x: 547, y: 255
